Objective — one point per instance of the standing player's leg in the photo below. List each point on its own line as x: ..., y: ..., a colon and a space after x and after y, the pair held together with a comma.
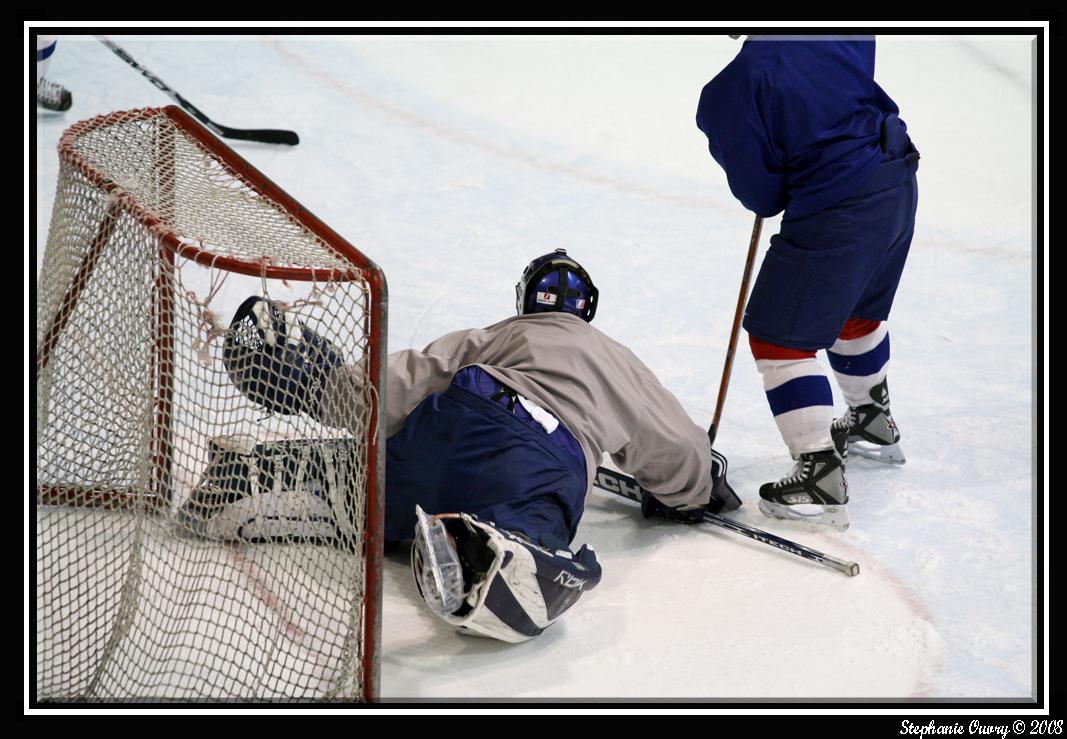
x: 798, y: 392
x: 860, y: 356
x: 860, y: 360
x: 822, y: 270
x: 805, y: 288
x: 49, y: 94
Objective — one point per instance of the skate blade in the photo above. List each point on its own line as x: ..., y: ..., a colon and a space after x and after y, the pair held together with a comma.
x: 887, y: 454
x: 829, y: 515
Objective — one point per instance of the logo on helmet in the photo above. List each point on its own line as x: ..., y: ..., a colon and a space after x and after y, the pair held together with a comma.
x: 556, y: 282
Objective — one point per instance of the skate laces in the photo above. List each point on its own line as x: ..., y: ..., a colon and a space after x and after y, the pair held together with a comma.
x: 49, y: 91
x: 846, y: 421
x: 801, y: 470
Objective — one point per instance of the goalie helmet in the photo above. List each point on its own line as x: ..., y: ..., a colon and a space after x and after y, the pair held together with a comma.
x: 556, y: 282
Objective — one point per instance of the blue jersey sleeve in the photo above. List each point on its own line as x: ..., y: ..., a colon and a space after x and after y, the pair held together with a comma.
x: 729, y: 114
x: 796, y: 122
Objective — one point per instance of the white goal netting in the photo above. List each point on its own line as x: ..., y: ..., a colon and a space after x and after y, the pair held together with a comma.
x: 159, y: 232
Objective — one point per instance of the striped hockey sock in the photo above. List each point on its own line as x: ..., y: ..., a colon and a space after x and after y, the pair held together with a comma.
x: 798, y: 391
x: 860, y: 359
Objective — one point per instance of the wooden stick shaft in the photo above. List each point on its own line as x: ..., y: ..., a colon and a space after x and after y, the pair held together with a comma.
x: 742, y: 297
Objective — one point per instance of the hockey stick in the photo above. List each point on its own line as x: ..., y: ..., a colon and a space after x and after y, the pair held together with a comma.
x: 627, y: 487
x: 724, y: 383
x: 263, y: 135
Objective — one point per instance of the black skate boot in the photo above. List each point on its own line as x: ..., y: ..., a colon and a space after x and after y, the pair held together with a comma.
x: 53, y: 96
x: 869, y: 430
x: 816, y: 492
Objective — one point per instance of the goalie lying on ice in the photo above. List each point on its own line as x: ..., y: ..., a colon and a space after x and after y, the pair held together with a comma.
x: 494, y: 437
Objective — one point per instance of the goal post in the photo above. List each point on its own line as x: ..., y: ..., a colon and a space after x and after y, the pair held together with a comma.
x: 159, y: 232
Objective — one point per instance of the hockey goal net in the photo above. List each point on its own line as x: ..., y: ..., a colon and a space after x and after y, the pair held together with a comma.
x: 159, y: 232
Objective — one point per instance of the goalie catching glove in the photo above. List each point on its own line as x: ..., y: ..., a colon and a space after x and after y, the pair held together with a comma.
x: 491, y: 582
x: 278, y: 363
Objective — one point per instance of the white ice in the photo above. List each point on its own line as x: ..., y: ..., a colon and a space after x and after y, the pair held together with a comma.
x: 453, y: 160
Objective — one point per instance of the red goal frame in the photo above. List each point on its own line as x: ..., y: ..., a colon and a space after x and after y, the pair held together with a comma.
x: 173, y: 248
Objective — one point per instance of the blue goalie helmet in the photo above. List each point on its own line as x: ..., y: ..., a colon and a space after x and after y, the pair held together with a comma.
x: 540, y: 291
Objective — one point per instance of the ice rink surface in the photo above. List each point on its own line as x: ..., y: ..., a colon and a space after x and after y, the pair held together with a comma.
x: 453, y: 160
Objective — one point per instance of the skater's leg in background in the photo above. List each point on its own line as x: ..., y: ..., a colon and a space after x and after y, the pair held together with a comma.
x: 50, y: 95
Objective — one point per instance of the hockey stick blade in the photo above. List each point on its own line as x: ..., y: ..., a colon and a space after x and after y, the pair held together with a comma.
x: 625, y: 486
x: 262, y: 135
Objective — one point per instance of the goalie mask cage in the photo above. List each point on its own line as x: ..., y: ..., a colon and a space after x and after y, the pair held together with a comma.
x: 159, y: 231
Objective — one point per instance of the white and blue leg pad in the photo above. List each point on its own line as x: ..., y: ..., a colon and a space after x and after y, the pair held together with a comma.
x: 495, y: 583
x: 282, y: 491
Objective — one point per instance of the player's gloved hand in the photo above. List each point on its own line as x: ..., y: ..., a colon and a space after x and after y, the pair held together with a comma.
x: 650, y: 506
x: 277, y: 362
x: 723, y: 498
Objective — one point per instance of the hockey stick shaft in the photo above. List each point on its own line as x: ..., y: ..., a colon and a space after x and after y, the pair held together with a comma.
x: 724, y: 383
x: 625, y: 486
x: 263, y: 135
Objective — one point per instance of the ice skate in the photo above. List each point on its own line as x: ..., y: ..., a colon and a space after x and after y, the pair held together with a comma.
x: 816, y: 491
x: 53, y: 96
x: 869, y: 430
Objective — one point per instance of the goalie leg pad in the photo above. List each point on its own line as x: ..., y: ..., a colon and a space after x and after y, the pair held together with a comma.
x: 511, y: 588
x: 293, y: 490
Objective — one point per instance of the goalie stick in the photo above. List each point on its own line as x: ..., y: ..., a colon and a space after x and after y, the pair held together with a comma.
x: 625, y: 486
x: 263, y: 135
